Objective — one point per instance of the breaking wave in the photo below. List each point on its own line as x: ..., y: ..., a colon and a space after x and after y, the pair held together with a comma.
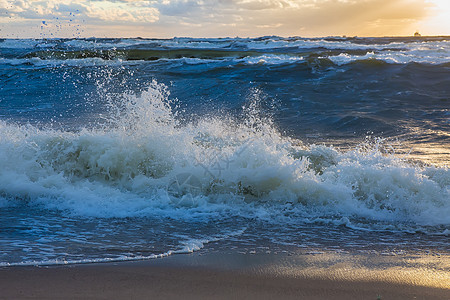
x: 145, y: 162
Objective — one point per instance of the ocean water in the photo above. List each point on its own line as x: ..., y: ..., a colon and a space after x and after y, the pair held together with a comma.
x: 128, y: 149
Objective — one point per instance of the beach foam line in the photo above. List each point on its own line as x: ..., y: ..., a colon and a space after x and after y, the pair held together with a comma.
x: 188, y: 245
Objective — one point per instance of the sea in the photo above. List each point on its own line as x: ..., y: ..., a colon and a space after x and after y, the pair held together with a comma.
x: 135, y: 149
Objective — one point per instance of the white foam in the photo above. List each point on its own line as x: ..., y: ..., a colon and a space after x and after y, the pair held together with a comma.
x: 424, y: 55
x: 135, y: 167
x: 188, y: 245
x: 271, y: 59
x: 54, y: 262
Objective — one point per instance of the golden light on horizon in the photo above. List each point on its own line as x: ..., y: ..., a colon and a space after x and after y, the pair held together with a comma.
x: 245, y: 18
x: 438, y: 22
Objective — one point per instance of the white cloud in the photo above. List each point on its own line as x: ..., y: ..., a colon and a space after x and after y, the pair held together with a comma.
x: 127, y: 11
x: 267, y: 4
x: 118, y: 11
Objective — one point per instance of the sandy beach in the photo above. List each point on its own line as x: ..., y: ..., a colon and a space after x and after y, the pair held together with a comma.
x: 217, y: 276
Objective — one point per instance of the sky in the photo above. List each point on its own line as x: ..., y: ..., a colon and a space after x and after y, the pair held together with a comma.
x: 222, y: 18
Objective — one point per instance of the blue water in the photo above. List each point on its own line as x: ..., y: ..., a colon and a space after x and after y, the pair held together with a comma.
x: 122, y: 149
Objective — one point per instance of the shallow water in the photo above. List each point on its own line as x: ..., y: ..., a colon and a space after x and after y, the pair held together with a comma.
x: 123, y: 149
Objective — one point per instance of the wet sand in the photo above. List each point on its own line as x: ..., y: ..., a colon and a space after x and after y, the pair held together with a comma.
x: 209, y: 277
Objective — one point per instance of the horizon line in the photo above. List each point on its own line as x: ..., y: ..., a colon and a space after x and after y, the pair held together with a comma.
x: 235, y: 37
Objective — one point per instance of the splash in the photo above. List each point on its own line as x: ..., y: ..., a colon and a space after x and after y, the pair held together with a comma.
x: 144, y: 162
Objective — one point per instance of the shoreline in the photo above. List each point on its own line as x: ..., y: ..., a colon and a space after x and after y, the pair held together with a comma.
x: 228, y: 276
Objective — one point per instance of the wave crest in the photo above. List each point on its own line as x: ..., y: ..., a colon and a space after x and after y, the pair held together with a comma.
x: 144, y: 161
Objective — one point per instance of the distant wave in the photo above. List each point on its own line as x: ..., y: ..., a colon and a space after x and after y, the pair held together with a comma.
x: 431, y: 50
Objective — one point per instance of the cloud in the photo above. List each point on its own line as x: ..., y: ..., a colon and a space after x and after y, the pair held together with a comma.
x: 166, y: 18
x: 182, y: 7
x: 290, y: 17
x: 123, y: 11
x: 117, y: 11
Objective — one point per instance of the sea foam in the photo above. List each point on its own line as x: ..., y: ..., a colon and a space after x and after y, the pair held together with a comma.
x: 145, y: 162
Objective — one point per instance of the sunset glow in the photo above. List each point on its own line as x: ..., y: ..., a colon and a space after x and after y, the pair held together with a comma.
x: 438, y: 22
x: 168, y: 18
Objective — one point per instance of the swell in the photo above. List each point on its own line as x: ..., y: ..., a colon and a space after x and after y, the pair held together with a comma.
x: 155, y: 54
x: 215, y: 58
x: 340, y: 50
x: 207, y: 54
x: 138, y: 54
